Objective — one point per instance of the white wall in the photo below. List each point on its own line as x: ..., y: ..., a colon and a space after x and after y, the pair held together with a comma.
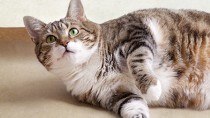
x: 12, y: 11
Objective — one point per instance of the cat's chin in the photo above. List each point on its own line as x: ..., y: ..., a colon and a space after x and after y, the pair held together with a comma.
x: 65, y: 53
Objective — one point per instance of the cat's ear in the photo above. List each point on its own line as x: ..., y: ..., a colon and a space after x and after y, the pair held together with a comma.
x: 34, y: 27
x: 76, y: 11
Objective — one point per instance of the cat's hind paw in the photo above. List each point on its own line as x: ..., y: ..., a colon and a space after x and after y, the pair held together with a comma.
x: 135, y: 109
x: 153, y: 92
x: 139, y: 116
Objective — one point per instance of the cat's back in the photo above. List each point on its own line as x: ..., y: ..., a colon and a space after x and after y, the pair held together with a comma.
x: 165, y: 21
x: 175, y: 14
x: 163, y: 15
x: 171, y: 15
x: 177, y: 20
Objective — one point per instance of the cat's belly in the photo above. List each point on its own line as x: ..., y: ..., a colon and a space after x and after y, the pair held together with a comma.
x: 193, y: 91
x: 205, y: 89
x: 183, y: 93
x: 167, y: 78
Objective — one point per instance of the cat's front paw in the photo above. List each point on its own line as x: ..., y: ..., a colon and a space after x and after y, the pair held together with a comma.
x: 153, y: 92
x: 135, y: 109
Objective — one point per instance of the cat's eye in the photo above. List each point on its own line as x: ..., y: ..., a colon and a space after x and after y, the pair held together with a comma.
x: 73, y: 32
x: 51, y: 39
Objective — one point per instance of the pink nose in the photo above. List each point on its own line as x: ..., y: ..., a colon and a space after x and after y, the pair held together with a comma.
x: 65, y: 43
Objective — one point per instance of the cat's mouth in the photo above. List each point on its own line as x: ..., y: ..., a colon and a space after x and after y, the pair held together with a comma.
x: 69, y: 51
x: 66, y: 52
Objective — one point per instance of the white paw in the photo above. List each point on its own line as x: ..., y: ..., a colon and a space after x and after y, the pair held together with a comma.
x: 135, y: 109
x: 153, y: 92
x: 139, y: 116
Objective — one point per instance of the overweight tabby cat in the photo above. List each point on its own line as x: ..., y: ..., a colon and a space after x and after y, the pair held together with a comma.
x: 153, y: 57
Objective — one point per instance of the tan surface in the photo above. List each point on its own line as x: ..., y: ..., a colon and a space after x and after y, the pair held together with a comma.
x: 27, y: 90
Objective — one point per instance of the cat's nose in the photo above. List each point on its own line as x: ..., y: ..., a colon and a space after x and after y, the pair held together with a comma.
x: 65, y: 43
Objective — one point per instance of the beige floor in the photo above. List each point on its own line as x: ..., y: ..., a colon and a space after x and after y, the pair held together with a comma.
x: 27, y: 90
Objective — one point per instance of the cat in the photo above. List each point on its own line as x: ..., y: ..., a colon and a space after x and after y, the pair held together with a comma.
x: 151, y: 57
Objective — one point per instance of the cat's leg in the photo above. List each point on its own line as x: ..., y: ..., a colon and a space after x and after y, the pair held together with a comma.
x: 140, y: 60
x: 127, y: 104
x: 120, y: 95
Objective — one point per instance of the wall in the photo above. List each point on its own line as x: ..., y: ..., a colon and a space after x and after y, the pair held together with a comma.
x: 12, y: 11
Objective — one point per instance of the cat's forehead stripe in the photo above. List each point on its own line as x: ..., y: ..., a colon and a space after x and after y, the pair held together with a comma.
x: 54, y: 26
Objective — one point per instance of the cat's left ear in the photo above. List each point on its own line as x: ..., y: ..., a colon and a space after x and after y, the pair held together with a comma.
x: 76, y: 11
x: 34, y: 27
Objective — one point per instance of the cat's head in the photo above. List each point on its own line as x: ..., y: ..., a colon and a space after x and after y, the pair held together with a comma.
x: 70, y: 41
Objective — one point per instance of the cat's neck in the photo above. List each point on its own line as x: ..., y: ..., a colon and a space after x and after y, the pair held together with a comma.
x: 76, y: 76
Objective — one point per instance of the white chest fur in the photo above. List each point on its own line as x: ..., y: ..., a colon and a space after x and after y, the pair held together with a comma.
x: 79, y: 79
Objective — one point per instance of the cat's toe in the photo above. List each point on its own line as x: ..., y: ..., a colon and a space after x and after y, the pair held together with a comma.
x: 153, y: 92
x: 139, y: 116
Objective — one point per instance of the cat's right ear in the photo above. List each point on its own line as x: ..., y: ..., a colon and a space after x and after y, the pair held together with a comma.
x: 76, y: 10
x: 34, y: 27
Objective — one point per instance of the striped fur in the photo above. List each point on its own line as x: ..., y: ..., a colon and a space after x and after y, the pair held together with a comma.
x: 152, y: 57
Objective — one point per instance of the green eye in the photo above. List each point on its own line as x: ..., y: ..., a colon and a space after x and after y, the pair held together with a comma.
x: 73, y: 32
x: 51, y: 39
